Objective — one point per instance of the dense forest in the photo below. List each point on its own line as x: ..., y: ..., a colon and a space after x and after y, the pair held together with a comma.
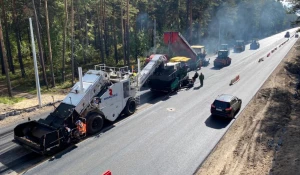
x: 72, y: 33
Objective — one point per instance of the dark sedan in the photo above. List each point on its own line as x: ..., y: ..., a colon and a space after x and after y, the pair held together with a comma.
x: 226, y: 105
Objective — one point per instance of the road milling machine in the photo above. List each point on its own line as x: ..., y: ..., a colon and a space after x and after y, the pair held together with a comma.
x: 101, y: 94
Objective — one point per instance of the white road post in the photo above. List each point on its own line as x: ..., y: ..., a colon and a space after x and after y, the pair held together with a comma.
x: 37, y: 81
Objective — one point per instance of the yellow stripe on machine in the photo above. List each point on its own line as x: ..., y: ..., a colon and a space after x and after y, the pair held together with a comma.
x: 179, y: 59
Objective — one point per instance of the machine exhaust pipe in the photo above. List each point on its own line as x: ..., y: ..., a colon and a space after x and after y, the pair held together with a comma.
x: 80, y: 78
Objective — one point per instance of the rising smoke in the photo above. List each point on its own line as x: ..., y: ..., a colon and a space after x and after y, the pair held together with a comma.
x: 247, y: 20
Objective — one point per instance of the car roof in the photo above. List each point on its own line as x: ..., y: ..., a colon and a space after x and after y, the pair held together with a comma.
x: 225, y: 97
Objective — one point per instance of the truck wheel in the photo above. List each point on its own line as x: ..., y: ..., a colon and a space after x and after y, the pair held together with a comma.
x: 130, y: 107
x: 94, y: 123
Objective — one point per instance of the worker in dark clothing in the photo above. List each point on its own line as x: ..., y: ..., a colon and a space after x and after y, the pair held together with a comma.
x: 201, y: 78
x: 196, y: 75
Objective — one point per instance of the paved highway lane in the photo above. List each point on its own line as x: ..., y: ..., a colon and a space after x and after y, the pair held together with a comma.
x: 15, y: 159
x: 176, y: 134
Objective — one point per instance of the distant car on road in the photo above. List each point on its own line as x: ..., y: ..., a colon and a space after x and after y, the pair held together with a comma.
x: 287, y: 35
x: 254, y: 45
x: 296, y: 35
x: 226, y: 105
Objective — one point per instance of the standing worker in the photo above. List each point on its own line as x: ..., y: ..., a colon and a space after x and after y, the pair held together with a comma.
x: 201, y: 78
x: 196, y: 75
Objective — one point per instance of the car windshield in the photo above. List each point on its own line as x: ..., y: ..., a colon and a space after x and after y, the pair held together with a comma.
x: 221, y: 104
x: 239, y: 43
x: 197, y: 50
x: 222, y: 53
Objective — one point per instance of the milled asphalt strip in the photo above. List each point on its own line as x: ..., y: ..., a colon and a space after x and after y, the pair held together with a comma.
x: 34, y: 159
x: 259, y: 87
x: 22, y: 157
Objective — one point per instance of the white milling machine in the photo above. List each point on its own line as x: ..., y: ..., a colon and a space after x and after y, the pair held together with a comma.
x: 101, y: 94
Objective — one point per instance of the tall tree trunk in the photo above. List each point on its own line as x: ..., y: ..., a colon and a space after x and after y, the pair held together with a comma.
x: 95, y: 34
x: 8, y: 51
x: 177, y: 16
x: 5, y: 62
x: 29, y: 42
x: 100, y: 31
x: 106, y: 38
x: 136, y: 41
x: 44, y: 38
x: 123, y: 33
x: 49, y: 44
x: 64, y: 42
x: 86, y: 38
x: 1, y: 60
x: 40, y: 46
x: 114, y: 35
x: 18, y: 38
x: 72, y: 41
x: 199, y: 25
x: 189, y: 19
x: 127, y: 36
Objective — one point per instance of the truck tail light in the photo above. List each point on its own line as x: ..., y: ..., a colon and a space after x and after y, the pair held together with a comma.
x: 228, y: 109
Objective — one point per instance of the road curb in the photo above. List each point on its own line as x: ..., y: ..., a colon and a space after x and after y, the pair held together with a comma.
x: 25, y: 110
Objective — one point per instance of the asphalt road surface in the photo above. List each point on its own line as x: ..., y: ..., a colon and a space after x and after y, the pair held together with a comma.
x: 175, y: 134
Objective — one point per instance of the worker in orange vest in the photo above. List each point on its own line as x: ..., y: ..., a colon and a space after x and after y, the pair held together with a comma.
x: 81, y: 127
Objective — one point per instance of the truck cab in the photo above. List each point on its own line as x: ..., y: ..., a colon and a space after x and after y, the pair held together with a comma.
x: 287, y: 35
x: 201, y: 54
x: 200, y: 51
x: 239, y: 46
x: 254, y: 44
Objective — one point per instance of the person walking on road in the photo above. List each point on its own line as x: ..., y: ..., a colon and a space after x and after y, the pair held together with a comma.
x: 201, y: 78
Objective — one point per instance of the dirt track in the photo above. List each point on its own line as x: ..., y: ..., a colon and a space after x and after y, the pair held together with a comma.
x: 264, y: 139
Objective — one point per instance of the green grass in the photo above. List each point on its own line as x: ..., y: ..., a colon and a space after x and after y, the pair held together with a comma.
x: 10, y: 100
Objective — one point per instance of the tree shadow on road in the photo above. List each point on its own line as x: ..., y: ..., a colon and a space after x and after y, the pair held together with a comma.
x: 216, y: 122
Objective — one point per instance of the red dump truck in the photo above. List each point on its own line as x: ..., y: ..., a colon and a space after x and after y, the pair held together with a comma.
x: 180, y: 47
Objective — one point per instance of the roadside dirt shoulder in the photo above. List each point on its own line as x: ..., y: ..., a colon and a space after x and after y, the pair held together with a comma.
x: 31, y: 101
x: 264, y: 139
